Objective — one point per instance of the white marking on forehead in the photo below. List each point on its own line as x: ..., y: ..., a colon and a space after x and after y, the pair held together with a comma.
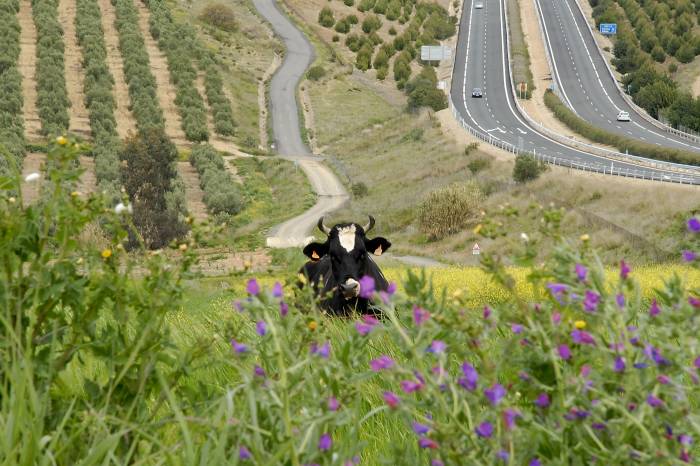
x: 346, y: 236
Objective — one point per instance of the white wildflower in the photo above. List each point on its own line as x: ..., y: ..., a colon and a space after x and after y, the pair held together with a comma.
x: 32, y: 177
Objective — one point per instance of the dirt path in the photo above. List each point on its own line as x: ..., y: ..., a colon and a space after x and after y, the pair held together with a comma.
x: 165, y: 89
x: 79, y: 121
x: 193, y: 193
x: 88, y: 182
x: 27, y: 67
x: 125, y: 120
x: 535, y: 107
x: 232, y: 170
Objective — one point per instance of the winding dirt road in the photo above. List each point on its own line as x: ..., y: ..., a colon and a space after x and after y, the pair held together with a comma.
x: 286, y: 129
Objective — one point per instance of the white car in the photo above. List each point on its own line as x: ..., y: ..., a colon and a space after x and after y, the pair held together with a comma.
x: 623, y: 116
x: 478, y: 5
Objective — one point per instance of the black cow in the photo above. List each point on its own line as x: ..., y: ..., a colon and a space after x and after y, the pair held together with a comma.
x: 337, y: 265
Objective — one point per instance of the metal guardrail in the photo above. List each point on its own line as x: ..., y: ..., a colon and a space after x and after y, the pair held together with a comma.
x: 626, y: 97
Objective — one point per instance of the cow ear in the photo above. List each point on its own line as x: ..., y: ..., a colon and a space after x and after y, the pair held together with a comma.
x: 315, y: 251
x: 378, y: 245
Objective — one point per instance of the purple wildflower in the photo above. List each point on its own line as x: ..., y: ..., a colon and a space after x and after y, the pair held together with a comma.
x: 516, y: 328
x: 558, y: 290
x: 693, y: 301
x: 238, y: 305
x: 684, y: 456
x: 582, y: 337
x: 420, y: 315
x: 598, y: 425
x: 509, y: 416
x: 391, y: 399
x: 689, y: 256
x: 366, y: 287
x: 581, y: 272
x: 503, y: 455
x: 564, y: 352
x: 437, y: 347
x: 590, y: 301
x: 663, y: 379
x: 244, y: 453
x: 325, y: 443
x: 640, y: 365
x: 535, y: 462
x: 252, y: 287
x: 585, y: 370
x: 426, y: 442
x: 362, y: 328
x: 654, y: 402
x: 620, y: 299
x: 259, y: 371
x: 487, y: 312
x: 694, y: 225
x: 654, y: 354
x: 484, y: 430
x: 624, y: 270
x: 277, y: 290
x: 420, y: 429
x: 495, y: 394
x: 382, y: 362
x: 325, y: 350
x: 556, y: 318
x: 619, y: 364
x: 471, y: 377
x: 261, y: 328
x: 542, y: 400
x: 654, y: 309
x: 333, y: 403
x: 391, y: 289
x: 284, y: 308
x: 238, y: 347
x: 436, y: 462
x: 685, y: 439
x: 696, y: 363
x: 410, y: 386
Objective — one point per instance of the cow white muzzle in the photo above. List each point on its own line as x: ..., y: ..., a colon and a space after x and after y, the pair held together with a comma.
x: 350, y: 289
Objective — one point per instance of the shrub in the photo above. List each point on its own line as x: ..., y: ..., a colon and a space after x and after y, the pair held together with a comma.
x: 402, y: 67
x: 364, y: 57
x: 366, y: 5
x: 382, y: 73
x: 658, y: 54
x: 149, y: 175
x: 380, y: 7
x: 423, y: 92
x: 393, y: 11
x: 359, y: 190
x: 349, y: 2
x: 392, y: 31
x: 220, y: 16
x: 371, y: 23
x: 471, y: 147
x: 352, y: 41
x: 448, y: 210
x: 11, y: 97
x: 342, y: 26
x: 478, y: 164
x: 672, y: 68
x: 316, y: 72
x: 527, y: 168
x: 335, y: 38
x: 685, y: 53
x: 221, y: 194
x: 224, y: 123
x: 351, y: 19
x: 325, y: 17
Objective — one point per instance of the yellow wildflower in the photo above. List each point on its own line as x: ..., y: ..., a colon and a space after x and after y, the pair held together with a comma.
x: 579, y: 324
x: 62, y: 140
x: 585, y: 237
x: 313, y: 325
x: 106, y: 253
x: 478, y: 229
x: 183, y: 247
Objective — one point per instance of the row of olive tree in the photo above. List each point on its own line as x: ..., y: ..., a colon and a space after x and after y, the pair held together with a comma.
x: 11, y: 119
x: 137, y: 68
x: 99, y: 98
x: 179, y: 43
x: 221, y: 195
x: 52, y: 95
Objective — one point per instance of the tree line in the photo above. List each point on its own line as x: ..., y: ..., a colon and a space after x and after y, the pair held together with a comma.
x: 11, y: 100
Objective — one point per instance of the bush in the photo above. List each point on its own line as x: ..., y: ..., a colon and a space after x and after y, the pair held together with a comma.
x: 402, y: 67
x: 448, y: 210
x: 478, y: 164
x: 221, y: 194
x: 149, y: 175
x: 316, y: 72
x: 527, y: 168
x: 351, y: 19
x: 219, y: 104
x: 423, y: 92
x: 658, y: 54
x: 364, y: 57
x: 392, y: 31
x: 359, y: 190
x: 325, y: 17
x: 11, y: 98
x: 371, y: 23
x: 342, y: 26
x: 672, y: 68
x: 685, y: 53
x: 220, y: 16
x: 335, y: 38
x: 380, y: 7
x: 366, y: 5
x: 349, y: 2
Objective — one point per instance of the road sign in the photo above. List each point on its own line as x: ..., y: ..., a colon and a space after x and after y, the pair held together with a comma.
x: 435, y: 53
x: 608, y: 28
x: 476, y: 250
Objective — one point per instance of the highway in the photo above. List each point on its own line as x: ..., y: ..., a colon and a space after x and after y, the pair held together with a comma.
x: 481, y: 60
x: 585, y: 84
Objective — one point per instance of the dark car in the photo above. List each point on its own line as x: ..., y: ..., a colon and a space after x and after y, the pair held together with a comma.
x: 476, y: 92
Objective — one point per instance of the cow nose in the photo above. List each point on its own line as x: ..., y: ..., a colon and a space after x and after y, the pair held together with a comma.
x: 349, y: 286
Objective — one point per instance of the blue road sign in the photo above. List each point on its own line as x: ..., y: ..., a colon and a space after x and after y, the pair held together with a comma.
x: 608, y: 28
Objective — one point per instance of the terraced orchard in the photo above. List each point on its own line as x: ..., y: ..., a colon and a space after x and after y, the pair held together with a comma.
x: 99, y: 73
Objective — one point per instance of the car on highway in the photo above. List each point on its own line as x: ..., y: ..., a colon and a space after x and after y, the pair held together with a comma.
x: 476, y: 92
x: 478, y: 5
x: 623, y: 116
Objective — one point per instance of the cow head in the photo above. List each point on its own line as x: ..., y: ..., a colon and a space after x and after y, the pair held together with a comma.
x: 348, y: 249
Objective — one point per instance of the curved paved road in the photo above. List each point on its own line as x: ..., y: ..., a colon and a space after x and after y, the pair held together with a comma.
x: 481, y: 60
x: 287, y: 135
x: 584, y: 80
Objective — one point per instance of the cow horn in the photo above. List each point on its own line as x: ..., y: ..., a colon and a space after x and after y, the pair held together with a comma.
x: 323, y: 227
x: 370, y: 225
